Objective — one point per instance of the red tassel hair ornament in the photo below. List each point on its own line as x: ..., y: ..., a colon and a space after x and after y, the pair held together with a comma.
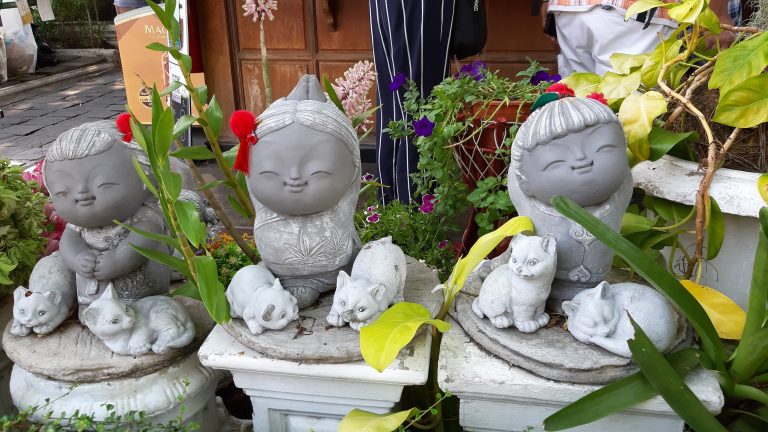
x: 243, y: 125
x: 123, y: 123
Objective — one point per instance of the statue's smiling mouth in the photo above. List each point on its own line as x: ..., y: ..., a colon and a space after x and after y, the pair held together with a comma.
x: 583, y: 168
x: 85, y: 202
x: 295, y: 187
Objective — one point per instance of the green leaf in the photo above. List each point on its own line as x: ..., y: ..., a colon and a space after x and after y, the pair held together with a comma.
x: 332, y: 94
x: 687, y: 11
x: 664, y: 52
x: 194, y: 153
x: 625, y: 63
x: 161, y: 15
x: 163, y: 134
x: 157, y: 46
x: 189, y: 289
x: 636, y: 115
x: 633, y: 223
x: 709, y: 20
x: 211, y: 290
x: 182, y: 125
x: 171, y: 88
x: 363, y: 421
x: 164, y: 239
x: 211, y: 185
x: 189, y: 219
x: 745, y: 105
x: 652, y: 272
x: 617, y: 86
x: 715, y: 229
x: 582, y: 83
x: 143, y: 176
x: 186, y: 62
x: 758, y: 294
x: 381, y: 340
x: 662, y: 141
x: 740, y: 62
x: 157, y: 110
x: 669, y: 384
x: 668, y: 210
x: 165, y: 258
x: 617, y: 396
x: 762, y: 187
x: 641, y: 6
x: 171, y: 183
x: 142, y: 137
x: 215, y: 116
x: 202, y: 94
x: 237, y: 206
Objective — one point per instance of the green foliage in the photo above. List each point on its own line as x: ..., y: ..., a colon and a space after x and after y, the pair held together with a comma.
x: 741, y: 376
x: 448, y: 107
x: 228, y: 255
x: 21, y: 227
x: 418, y: 234
x: 364, y: 421
x: 77, y: 24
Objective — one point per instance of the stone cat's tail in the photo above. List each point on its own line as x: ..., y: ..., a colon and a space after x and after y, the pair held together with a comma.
x: 186, y: 337
x: 476, y: 308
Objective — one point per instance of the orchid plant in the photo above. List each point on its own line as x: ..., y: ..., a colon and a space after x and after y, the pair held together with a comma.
x: 259, y: 10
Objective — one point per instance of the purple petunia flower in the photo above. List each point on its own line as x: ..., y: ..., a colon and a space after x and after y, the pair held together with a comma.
x: 367, y: 177
x: 443, y: 244
x: 428, y: 198
x: 423, y: 127
x: 542, y: 76
x: 371, y: 209
x: 476, y: 70
x: 373, y: 218
x: 397, y: 82
x: 427, y: 207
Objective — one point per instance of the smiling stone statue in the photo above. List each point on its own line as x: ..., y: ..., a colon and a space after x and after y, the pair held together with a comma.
x: 573, y: 147
x: 304, y: 181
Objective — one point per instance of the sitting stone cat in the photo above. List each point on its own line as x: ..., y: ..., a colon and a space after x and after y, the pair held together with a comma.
x: 599, y: 316
x: 49, y: 300
x: 376, y: 282
x: 515, y: 293
x: 256, y: 296
x: 156, y: 323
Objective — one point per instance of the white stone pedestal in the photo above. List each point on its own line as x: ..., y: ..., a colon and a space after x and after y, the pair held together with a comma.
x: 291, y: 396
x: 6, y: 404
x: 156, y: 394
x: 498, y: 397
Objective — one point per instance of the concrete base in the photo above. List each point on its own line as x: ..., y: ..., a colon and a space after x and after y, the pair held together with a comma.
x: 6, y: 404
x: 155, y: 394
x: 291, y: 396
x: 498, y: 397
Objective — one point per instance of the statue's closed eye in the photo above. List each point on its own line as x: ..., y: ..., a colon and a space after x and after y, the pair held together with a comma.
x: 106, y: 185
x: 321, y: 172
x: 269, y: 172
x: 605, y: 147
x: 554, y: 162
x: 61, y: 194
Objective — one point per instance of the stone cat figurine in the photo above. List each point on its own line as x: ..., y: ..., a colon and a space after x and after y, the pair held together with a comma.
x: 515, y: 293
x: 599, y: 316
x: 376, y: 281
x: 156, y: 323
x: 49, y: 300
x: 256, y: 296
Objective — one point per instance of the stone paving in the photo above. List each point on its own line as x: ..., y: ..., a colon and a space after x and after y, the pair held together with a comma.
x: 31, y: 124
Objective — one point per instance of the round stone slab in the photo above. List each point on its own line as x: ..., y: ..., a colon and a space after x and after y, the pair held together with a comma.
x: 312, y: 340
x: 73, y: 354
x: 549, y: 352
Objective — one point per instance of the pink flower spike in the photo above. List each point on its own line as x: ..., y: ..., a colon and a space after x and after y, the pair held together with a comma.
x: 443, y: 244
x: 373, y: 218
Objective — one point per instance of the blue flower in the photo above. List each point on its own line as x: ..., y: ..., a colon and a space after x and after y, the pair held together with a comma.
x: 542, y: 76
x: 397, y: 82
x: 476, y: 70
x: 423, y: 127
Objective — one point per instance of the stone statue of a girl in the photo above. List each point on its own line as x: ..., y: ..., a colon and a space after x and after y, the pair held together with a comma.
x: 92, y: 182
x: 304, y: 181
x: 573, y: 147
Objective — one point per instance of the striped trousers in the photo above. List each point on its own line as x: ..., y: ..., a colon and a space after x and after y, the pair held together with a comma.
x: 411, y: 37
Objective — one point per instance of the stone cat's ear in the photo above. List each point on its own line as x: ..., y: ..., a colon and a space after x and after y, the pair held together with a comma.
x: 516, y: 240
x: 549, y: 244
x: 601, y: 291
x: 89, y: 315
x: 277, y: 284
x: 267, y: 314
x: 343, y: 279
x: 570, y: 307
x: 53, y: 296
x: 377, y: 291
x: 18, y: 293
x: 109, y: 292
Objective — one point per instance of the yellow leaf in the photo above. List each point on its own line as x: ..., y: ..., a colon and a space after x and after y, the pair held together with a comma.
x: 484, y: 246
x: 687, y: 11
x: 636, y: 115
x: 727, y: 317
x: 624, y: 63
x: 364, y: 421
x: 762, y: 186
x: 582, y: 83
x: 618, y: 86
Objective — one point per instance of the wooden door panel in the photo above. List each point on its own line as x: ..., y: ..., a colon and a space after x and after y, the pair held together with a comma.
x: 285, y: 32
x: 351, y: 22
x: 512, y: 28
x: 283, y: 76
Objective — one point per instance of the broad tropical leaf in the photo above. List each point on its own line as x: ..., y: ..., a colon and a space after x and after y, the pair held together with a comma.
x: 624, y: 63
x: 636, y: 115
x: 618, y: 86
x: 364, y: 421
x: 662, y: 141
x: 727, y: 316
x: 582, y: 83
x: 715, y: 229
x: 745, y: 105
x: 740, y: 62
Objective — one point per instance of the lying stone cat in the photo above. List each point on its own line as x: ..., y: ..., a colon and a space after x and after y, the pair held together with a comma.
x: 256, y: 296
x: 49, y: 300
x: 156, y: 323
x: 599, y: 316
x: 515, y: 293
x: 376, y: 281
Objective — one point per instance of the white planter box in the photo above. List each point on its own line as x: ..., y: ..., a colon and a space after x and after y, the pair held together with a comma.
x: 736, y: 193
x: 291, y: 396
x: 497, y: 397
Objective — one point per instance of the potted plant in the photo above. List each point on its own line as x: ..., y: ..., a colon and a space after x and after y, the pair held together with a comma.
x: 463, y: 131
x: 662, y: 103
